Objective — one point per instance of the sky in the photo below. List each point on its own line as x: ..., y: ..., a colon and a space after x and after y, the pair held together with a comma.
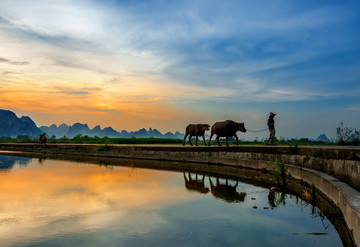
x: 166, y: 64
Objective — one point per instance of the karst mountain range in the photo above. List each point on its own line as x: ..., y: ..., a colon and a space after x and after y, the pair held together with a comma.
x: 12, y: 126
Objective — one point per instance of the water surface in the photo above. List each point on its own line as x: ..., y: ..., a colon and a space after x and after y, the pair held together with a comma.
x: 65, y: 203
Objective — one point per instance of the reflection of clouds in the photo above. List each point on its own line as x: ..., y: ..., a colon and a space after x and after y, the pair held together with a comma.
x: 60, y: 198
x: 76, y: 190
x: 7, y: 162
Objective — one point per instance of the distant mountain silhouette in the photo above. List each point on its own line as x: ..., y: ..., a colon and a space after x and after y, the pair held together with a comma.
x: 71, y: 131
x: 56, y: 131
x: 83, y: 129
x: 352, y: 138
x: 12, y: 126
x: 109, y: 132
x: 323, y: 138
x: 78, y: 128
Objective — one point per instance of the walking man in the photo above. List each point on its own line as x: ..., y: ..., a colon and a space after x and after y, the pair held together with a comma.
x: 271, y: 124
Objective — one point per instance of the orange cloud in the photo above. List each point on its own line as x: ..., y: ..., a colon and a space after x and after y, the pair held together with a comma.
x: 131, y: 104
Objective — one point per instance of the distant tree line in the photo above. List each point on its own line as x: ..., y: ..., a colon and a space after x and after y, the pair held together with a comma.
x: 84, y: 139
x: 347, y: 135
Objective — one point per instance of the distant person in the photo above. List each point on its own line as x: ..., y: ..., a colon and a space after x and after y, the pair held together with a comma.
x: 271, y: 125
x: 43, y: 138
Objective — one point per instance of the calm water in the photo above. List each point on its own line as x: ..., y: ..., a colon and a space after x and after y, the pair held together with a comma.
x: 65, y: 203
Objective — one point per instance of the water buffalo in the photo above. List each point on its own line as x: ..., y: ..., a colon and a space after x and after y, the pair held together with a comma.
x: 226, y: 192
x: 226, y: 129
x: 196, y: 130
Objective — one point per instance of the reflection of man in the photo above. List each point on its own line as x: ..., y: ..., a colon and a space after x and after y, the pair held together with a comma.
x: 271, y: 198
x: 271, y: 124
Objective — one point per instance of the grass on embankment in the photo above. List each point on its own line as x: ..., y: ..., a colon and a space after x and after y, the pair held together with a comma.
x: 151, y: 140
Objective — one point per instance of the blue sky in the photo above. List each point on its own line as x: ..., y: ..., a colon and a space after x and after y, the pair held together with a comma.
x: 164, y: 64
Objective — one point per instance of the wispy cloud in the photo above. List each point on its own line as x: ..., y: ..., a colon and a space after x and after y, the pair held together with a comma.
x: 354, y: 108
x: 4, y: 60
x: 74, y: 92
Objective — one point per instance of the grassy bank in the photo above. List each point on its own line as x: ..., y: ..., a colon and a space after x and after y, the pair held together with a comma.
x: 151, y: 140
x: 98, y: 140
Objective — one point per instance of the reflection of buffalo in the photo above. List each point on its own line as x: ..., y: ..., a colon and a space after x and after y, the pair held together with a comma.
x: 196, y: 130
x: 226, y: 129
x: 195, y: 184
x: 226, y: 192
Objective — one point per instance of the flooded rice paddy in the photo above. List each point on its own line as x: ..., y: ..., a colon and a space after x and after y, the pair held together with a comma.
x: 48, y: 202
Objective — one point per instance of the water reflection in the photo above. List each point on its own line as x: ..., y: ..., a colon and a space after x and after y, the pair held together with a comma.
x: 68, y: 203
x: 60, y: 198
x: 226, y: 192
x: 194, y: 184
x: 276, y: 198
x: 7, y: 162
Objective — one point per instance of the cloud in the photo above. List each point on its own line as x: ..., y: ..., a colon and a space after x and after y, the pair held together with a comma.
x: 354, y: 108
x: 74, y: 92
x: 4, y: 60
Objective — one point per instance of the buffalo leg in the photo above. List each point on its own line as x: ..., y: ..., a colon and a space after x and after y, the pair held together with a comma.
x: 196, y: 140
x: 217, y: 139
x: 227, y: 143
x: 236, y: 184
x: 190, y: 139
x: 210, y: 138
x: 185, y: 138
x: 237, y: 140
x: 204, y: 140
